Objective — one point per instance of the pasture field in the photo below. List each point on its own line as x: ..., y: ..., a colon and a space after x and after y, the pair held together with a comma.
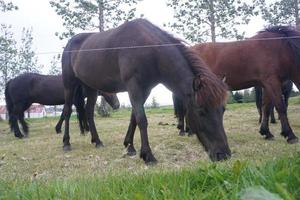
x: 37, y: 168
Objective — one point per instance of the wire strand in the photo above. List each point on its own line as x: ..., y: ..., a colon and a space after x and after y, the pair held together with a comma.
x: 160, y: 45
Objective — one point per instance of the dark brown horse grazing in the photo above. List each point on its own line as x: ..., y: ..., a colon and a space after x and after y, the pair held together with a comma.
x: 106, y: 62
x: 29, y: 88
x: 286, y: 92
x: 267, y: 59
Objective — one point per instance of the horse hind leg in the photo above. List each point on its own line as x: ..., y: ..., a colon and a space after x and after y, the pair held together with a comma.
x: 266, y: 108
x: 13, y: 120
x: 274, y: 90
x: 24, y: 124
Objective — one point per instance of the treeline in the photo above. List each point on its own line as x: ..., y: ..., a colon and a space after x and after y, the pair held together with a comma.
x: 248, y: 95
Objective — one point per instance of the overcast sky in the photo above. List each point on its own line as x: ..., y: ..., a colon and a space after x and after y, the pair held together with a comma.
x: 39, y: 15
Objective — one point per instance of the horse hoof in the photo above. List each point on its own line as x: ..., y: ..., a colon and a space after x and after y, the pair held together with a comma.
x: 181, y: 133
x: 148, y: 158
x: 67, y: 148
x: 131, y: 151
x: 152, y: 162
x: 273, y: 122
x: 99, y: 145
x: 20, y: 136
x: 57, y: 130
x: 269, y: 137
x: 293, y: 140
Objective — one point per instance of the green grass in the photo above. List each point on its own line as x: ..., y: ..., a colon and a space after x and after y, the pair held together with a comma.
x: 37, y: 168
x: 209, y: 181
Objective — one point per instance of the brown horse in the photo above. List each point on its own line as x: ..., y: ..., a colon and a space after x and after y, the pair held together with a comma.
x: 30, y: 88
x: 135, y: 57
x: 267, y: 59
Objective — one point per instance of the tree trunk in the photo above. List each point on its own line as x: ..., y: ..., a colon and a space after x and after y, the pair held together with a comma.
x: 104, y: 112
x: 297, y: 14
x: 212, y: 20
x: 101, y: 17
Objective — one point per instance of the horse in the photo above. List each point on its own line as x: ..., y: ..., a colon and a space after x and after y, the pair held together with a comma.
x: 180, y: 114
x: 286, y: 91
x: 182, y: 124
x: 29, y: 88
x: 267, y: 59
x: 135, y: 57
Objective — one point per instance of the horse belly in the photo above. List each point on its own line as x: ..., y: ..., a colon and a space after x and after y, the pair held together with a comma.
x: 100, y: 77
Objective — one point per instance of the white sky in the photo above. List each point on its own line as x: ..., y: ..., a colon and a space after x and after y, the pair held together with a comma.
x: 39, y: 15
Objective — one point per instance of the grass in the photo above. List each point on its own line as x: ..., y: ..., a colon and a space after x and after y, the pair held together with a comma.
x: 37, y: 168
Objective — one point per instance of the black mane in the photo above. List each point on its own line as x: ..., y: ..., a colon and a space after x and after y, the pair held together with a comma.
x: 291, y: 36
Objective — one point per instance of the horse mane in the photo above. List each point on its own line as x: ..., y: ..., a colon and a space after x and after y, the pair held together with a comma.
x: 291, y: 36
x: 214, y: 92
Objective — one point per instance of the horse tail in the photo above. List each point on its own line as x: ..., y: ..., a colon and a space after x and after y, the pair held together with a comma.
x: 81, y: 114
x: 9, y: 106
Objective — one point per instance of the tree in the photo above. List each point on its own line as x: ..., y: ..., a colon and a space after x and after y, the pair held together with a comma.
x: 8, y: 55
x: 26, y: 56
x: 55, y: 67
x: 7, y: 6
x: 249, y: 95
x: 154, y: 103
x: 92, y: 14
x: 198, y: 20
x: 280, y: 12
x: 238, y: 97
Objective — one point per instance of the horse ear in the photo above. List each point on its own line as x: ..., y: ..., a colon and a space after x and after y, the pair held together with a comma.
x: 197, y: 83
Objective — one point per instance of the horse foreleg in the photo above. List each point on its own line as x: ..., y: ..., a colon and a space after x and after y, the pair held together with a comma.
x: 275, y: 92
x: 266, y: 107
x: 59, y: 123
x: 90, y: 105
x: 138, y: 97
x: 128, y: 141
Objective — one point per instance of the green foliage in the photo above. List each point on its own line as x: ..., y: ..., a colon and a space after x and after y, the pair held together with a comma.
x: 249, y: 95
x: 7, y: 6
x: 92, y: 15
x: 27, y: 59
x: 154, y: 103
x: 8, y: 55
x: 230, y: 98
x: 55, y: 65
x: 197, y: 20
x: 238, y: 97
x: 280, y: 12
x: 103, y: 109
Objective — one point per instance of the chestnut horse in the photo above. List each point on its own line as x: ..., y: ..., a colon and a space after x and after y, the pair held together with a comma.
x: 29, y: 88
x: 286, y: 92
x: 267, y: 60
x: 135, y: 57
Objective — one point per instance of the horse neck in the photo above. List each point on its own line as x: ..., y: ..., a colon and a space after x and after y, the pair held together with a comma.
x: 178, y: 77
